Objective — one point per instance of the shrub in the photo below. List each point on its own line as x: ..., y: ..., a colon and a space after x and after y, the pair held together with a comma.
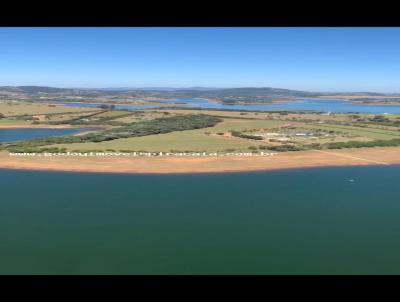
x: 246, y: 136
x: 283, y: 148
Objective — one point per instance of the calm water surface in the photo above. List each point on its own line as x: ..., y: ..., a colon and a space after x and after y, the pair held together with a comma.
x: 14, y: 134
x: 311, y: 221
x: 338, y: 106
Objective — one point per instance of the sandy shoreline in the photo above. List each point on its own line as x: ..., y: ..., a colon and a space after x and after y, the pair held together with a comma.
x: 176, y: 165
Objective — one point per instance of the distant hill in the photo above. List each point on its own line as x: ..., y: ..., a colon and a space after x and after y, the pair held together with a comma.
x: 35, y: 89
x: 247, y: 91
x: 226, y: 95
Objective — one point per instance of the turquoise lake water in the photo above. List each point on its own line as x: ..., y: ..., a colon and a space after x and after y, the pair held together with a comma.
x: 14, y: 134
x: 310, y: 221
x: 337, y: 106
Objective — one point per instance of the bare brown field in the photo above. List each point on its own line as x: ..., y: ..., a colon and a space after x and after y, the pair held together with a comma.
x: 167, y: 165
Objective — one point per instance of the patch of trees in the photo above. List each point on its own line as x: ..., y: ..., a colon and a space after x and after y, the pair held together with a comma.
x: 246, y: 136
x: 358, y: 144
x: 26, y: 117
x: 107, y: 106
x: 284, y: 148
x: 313, y: 146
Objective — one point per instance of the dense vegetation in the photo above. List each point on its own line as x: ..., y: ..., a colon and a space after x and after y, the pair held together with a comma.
x: 284, y: 148
x: 107, y: 106
x: 334, y: 145
x: 358, y: 144
x: 247, y: 136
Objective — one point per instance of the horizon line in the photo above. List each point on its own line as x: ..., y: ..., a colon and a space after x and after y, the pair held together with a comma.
x: 204, y: 87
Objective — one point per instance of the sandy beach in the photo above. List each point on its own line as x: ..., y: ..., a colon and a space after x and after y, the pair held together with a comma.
x: 170, y: 165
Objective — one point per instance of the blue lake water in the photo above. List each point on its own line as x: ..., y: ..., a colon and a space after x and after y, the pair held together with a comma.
x: 337, y: 106
x: 307, y: 221
x: 14, y: 134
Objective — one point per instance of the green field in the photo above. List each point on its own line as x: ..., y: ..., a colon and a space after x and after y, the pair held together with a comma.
x: 10, y: 122
x: 191, y: 140
x: 26, y: 108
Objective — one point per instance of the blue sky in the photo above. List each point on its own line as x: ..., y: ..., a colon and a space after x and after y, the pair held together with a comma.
x: 320, y: 59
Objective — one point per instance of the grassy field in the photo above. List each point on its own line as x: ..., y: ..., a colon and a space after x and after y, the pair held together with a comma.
x: 9, y: 122
x: 26, y: 108
x: 192, y: 140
